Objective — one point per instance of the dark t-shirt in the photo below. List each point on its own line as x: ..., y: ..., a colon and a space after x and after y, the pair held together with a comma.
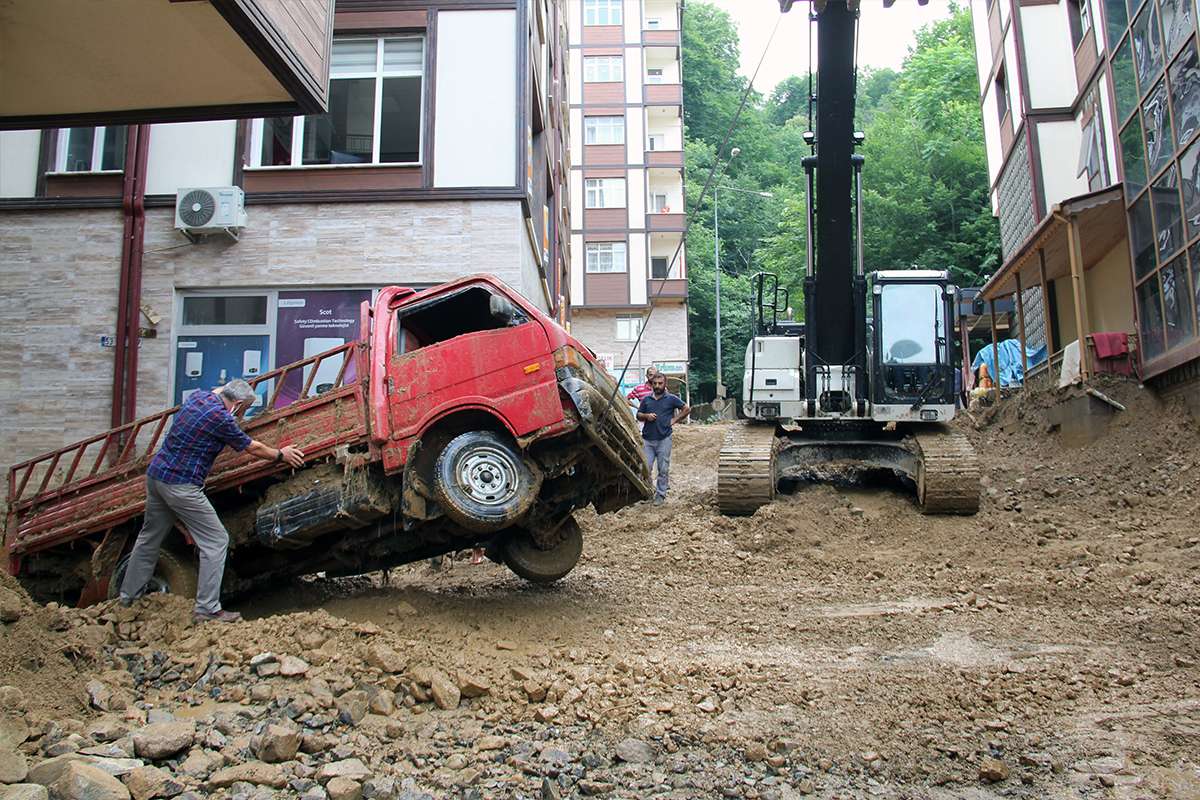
x: 665, y: 407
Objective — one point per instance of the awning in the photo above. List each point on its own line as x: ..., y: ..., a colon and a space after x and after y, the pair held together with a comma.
x: 1100, y: 217
x: 85, y: 62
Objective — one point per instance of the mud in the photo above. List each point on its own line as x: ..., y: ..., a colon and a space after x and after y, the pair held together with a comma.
x: 835, y: 644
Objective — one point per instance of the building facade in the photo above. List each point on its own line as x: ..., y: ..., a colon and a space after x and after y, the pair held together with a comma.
x: 628, y: 267
x: 1091, y: 110
x: 444, y: 152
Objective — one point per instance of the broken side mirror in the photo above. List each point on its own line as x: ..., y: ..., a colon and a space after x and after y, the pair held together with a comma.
x: 502, y: 309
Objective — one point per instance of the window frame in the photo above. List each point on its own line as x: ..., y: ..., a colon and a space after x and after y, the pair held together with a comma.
x: 594, y: 247
x: 378, y: 75
x: 594, y: 60
x: 592, y: 126
x: 62, y: 146
x: 627, y: 319
x: 599, y: 189
x: 615, y: 12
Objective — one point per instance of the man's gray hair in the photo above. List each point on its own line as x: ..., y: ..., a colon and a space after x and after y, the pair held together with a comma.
x: 651, y: 372
x: 237, y: 391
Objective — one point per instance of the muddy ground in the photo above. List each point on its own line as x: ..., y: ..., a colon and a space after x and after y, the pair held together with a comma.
x: 836, y: 644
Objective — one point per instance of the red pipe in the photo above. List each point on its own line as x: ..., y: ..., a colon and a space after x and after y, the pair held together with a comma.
x: 129, y: 293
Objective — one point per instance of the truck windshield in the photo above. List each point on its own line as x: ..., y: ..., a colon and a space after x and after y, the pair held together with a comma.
x: 912, y: 319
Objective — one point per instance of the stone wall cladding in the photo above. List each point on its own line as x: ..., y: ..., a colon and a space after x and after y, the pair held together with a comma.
x: 1035, y: 317
x: 1015, y: 200
x: 60, y: 270
x: 665, y: 338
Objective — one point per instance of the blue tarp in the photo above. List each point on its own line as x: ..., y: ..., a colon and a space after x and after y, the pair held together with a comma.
x: 1011, y: 372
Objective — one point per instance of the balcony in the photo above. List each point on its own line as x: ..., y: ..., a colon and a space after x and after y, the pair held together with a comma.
x: 664, y: 94
x: 162, y: 61
x: 660, y: 38
x: 665, y: 221
x: 672, y: 289
x: 664, y: 158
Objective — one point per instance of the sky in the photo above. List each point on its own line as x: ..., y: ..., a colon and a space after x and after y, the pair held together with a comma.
x: 885, y: 35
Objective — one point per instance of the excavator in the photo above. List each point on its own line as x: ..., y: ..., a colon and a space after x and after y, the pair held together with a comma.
x: 867, y: 381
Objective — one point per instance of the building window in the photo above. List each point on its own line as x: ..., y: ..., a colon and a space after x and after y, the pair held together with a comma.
x: 1080, y: 20
x: 658, y: 141
x: 628, y: 328
x: 376, y: 111
x: 659, y: 267
x: 603, y: 69
x: 654, y: 75
x: 604, y: 192
x: 602, y: 12
x: 659, y: 204
x: 653, y: 23
x: 605, y: 256
x: 604, y: 130
x: 91, y: 149
x: 1001, y: 95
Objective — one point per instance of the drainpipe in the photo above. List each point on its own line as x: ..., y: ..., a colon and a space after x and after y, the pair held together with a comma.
x: 129, y: 295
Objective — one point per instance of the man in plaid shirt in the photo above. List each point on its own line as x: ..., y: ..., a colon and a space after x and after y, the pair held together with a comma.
x: 638, y: 392
x: 203, y: 426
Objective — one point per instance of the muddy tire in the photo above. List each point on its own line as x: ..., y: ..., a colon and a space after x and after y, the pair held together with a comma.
x: 522, y: 555
x: 482, y: 482
x: 172, y: 575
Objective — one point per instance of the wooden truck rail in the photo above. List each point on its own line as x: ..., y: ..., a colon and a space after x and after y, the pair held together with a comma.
x: 94, y: 484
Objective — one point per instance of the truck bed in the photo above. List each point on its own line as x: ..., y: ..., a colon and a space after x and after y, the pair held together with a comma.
x: 97, y: 483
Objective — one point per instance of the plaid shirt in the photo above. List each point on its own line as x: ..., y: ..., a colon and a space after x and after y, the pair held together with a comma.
x: 201, y: 429
x: 638, y: 392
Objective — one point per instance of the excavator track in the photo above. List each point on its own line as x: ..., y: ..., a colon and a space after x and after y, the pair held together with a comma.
x: 947, y: 472
x: 746, y: 469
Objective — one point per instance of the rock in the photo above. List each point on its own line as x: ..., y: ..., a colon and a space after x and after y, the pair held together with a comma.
x: 106, y: 729
x: 50, y: 770
x: 145, y: 783
x: 11, y: 607
x: 546, y: 713
x: 157, y: 715
x: 13, y: 767
x: 707, y: 705
x: 263, y: 658
x: 164, y: 739
x: 351, y: 768
x: 382, y: 702
x: 277, y: 743
x: 593, y: 788
x: 293, y: 667
x: 993, y: 770
x: 101, y: 696
x: 261, y: 693
x: 487, y: 743
x: 380, y: 789
x: 24, y: 791
x: 12, y: 698
x: 456, y: 762
x: 113, y: 766
x: 344, y: 789
x: 13, y: 732
x: 352, y: 707
x: 385, y: 659
x: 81, y: 781
x: 473, y: 685
x: 445, y: 692
x: 200, y: 763
x: 635, y: 751
x: 255, y: 772
x: 756, y: 751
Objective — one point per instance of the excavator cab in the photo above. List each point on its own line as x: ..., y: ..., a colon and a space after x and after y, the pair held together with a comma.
x: 911, y: 346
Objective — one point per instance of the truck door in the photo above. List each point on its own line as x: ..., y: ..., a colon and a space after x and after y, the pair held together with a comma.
x: 454, y: 351
x: 206, y: 362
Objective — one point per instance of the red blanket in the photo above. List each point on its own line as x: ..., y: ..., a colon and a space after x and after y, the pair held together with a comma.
x: 1111, y: 345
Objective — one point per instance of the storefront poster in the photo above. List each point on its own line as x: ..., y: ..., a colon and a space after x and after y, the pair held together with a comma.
x: 311, y: 322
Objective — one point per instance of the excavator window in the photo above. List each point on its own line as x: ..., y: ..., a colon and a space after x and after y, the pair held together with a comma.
x: 912, y: 324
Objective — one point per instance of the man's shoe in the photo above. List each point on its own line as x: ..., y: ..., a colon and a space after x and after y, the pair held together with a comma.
x: 658, y: 501
x: 220, y: 616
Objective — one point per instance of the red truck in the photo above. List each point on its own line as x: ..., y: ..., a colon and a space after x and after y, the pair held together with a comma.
x: 462, y: 417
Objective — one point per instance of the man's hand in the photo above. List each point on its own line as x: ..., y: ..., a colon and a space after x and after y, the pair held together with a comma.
x: 648, y: 417
x: 292, y: 455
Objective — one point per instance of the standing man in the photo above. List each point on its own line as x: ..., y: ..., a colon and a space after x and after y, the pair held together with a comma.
x: 204, y: 424
x: 642, y: 389
x: 659, y: 411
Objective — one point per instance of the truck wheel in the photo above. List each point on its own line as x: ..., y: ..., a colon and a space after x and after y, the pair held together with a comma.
x: 482, y: 482
x: 172, y: 575
x: 523, y: 556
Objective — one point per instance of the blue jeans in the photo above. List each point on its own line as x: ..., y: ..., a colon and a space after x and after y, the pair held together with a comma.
x: 659, y: 451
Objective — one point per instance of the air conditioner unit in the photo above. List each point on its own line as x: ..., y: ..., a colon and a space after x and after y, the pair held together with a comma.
x: 215, y: 210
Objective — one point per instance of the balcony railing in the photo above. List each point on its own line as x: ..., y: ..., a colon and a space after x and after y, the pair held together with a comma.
x: 665, y: 221
x: 657, y: 36
x: 664, y: 93
x: 664, y: 158
x: 673, y: 288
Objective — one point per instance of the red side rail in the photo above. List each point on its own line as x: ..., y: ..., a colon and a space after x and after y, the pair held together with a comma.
x: 93, y: 484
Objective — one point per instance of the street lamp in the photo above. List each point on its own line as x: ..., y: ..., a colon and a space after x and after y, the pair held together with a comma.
x: 717, y: 263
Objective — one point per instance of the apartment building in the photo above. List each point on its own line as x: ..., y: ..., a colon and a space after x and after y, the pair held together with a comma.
x: 443, y: 153
x: 628, y: 267
x: 1091, y: 110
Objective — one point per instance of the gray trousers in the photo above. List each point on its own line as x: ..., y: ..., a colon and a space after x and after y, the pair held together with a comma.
x: 165, y: 503
x: 659, y: 451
